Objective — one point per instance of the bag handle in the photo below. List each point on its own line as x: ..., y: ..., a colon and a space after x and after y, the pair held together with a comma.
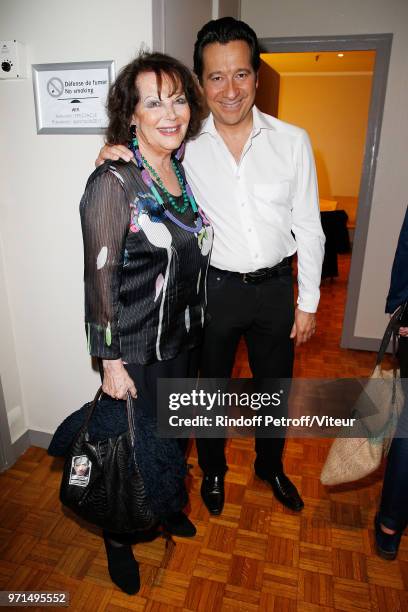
x: 391, y: 330
x: 129, y: 412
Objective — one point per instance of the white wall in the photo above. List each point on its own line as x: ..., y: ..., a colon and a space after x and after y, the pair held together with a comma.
x: 182, y: 20
x: 44, y: 366
x: 228, y: 8
x: 176, y: 23
x: 324, y: 17
x: 9, y: 371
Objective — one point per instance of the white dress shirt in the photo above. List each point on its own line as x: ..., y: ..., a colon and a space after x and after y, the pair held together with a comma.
x: 256, y: 204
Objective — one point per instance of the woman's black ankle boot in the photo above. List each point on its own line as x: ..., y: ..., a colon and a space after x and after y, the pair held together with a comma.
x: 123, y: 567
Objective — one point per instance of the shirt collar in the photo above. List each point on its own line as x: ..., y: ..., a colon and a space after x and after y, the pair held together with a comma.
x: 207, y: 126
x: 259, y: 123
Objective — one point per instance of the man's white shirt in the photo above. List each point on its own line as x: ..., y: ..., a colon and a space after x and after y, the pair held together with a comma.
x: 255, y: 205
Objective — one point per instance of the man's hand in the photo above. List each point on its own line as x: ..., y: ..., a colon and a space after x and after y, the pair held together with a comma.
x: 116, y: 380
x: 113, y: 152
x: 304, y: 326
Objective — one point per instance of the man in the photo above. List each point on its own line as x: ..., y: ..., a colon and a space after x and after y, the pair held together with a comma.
x: 254, y: 177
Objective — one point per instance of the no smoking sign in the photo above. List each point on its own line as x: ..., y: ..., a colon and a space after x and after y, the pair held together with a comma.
x: 55, y: 87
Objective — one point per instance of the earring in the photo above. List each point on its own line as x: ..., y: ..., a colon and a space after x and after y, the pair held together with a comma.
x: 133, y: 131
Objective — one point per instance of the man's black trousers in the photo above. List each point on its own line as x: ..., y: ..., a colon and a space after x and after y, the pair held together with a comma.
x: 263, y: 314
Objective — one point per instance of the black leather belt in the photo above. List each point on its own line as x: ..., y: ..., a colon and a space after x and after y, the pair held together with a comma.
x: 283, y: 268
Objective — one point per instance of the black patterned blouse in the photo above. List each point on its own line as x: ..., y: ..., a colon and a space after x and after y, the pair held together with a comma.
x: 145, y: 277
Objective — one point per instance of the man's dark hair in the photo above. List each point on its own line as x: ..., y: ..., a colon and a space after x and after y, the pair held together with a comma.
x: 124, y: 95
x: 223, y: 31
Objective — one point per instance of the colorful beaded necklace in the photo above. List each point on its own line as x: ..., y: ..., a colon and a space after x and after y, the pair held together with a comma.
x: 188, y: 197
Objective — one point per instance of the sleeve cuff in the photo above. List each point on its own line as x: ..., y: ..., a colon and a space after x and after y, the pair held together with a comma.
x: 103, y: 341
x: 309, y: 303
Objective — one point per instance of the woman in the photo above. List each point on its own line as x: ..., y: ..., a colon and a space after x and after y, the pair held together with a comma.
x: 392, y: 517
x: 146, y: 252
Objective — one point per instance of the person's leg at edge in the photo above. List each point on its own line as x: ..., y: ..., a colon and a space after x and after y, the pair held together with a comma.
x: 392, y: 517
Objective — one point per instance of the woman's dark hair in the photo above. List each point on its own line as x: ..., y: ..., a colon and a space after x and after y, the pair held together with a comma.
x: 124, y: 95
x: 223, y: 31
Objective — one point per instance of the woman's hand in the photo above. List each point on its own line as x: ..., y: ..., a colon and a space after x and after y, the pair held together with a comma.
x: 402, y: 331
x: 113, y: 152
x: 116, y: 380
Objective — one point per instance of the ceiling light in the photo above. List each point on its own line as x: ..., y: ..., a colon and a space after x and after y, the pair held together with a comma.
x: 340, y: 55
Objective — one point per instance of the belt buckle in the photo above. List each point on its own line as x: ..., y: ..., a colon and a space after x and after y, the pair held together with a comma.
x: 250, y: 279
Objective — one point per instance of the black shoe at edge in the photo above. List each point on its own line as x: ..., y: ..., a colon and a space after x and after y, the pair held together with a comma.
x: 386, y: 544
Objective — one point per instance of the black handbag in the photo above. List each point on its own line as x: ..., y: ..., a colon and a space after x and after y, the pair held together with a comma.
x: 102, y: 482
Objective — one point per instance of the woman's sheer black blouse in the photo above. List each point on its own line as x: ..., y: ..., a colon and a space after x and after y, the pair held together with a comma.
x: 145, y: 277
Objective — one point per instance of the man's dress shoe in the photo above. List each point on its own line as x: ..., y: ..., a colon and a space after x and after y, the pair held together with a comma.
x: 212, y: 492
x: 283, y: 489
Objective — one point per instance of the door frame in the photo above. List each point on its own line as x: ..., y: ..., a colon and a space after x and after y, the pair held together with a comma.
x: 381, y: 43
x: 7, y: 455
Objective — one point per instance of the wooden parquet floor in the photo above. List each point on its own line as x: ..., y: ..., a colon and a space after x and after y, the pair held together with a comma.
x: 257, y: 556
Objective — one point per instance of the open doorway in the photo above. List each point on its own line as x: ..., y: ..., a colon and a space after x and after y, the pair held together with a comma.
x: 328, y: 94
x: 296, y: 56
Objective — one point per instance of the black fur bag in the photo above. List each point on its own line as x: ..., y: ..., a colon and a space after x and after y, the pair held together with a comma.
x: 124, y: 483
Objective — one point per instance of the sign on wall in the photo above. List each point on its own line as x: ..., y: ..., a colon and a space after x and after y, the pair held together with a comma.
x: 70, y: 98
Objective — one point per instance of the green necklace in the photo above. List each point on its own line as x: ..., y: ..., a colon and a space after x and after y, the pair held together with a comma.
x: 181, y: 209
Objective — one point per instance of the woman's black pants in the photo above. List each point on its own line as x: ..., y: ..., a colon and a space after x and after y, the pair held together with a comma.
x: 145, y: 377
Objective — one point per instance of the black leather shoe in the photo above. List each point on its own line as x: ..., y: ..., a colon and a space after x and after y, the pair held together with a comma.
x: 284, y: 490
x: 212, y: 492
x: 386, y: 544
x: 179, y: 524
